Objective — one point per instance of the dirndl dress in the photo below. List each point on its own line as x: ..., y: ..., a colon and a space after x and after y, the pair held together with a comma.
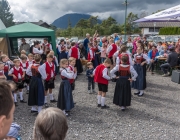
x: 62, y: 55
x: 96, y: 60
x: 122, y: 94
x: 140, y: 83
x: 65, y: 98
x: 79, y: 66
x: 36, y: 92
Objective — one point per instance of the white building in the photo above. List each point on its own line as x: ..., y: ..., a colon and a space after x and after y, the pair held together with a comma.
x: 154, y: 27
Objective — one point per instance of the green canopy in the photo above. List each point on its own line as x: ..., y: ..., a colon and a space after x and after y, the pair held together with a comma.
x: 29, y: 30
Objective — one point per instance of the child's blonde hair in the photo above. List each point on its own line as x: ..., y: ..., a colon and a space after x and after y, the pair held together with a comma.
x: 51, y: 52
x: 89, y: 64
x: 16, y: 60
x: 23, y: 57
x: 50, y: 124
x: 71, y: 59
x: 63, y: 61
x: 3, y: 56
x: 107, y: 61
x: 23, y: 52
x: 30, y: 55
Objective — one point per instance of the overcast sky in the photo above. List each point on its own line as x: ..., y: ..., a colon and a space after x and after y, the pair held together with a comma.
x: 49, y: 10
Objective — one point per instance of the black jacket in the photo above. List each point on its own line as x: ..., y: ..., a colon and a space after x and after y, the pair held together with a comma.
x: 173, y: 59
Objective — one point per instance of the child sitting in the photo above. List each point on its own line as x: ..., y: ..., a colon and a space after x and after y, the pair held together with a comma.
x: 89, y: 74
x: 50, y: 124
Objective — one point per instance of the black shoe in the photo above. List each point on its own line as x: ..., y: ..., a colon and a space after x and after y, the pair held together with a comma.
x: 104, y: 107
x: 67, y: 111
x: 16, y: 104
x: 140, y: 95
x: 22, y: 101
x: 137, y: 93
x: 122, y: 109
x: 46, y: 105
x: 53, y: 101
x: 99, y: 105
x: 27, y: 92
x: 33, y: 111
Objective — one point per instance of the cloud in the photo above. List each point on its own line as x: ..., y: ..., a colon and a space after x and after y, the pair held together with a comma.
x: 49, y: 10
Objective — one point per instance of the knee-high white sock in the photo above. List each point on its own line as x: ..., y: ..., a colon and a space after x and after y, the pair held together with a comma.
x: 45, y: 99
x: 15, y: 97
x: 21, y: 95
x: 51, y: 96
x: 103, y: 99
x: 27, y: 87
x: 141, y: 92
x: 64, y: 112
x: 99, y: 99
x: 34, y: 108
x: 39, y: 108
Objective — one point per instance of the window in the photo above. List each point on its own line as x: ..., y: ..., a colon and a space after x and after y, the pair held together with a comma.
x: 152, y: 29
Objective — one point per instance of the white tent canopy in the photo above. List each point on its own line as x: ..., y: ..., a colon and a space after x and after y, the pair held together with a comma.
x: 2, y: 26
x: 171, y: 15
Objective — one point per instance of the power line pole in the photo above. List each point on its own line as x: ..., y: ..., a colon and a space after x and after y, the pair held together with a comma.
x: 126, y: 3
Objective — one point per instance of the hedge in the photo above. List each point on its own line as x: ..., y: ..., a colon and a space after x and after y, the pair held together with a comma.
x: 169, y: 31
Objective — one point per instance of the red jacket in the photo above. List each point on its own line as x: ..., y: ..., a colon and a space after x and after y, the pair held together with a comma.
x: 98, y: 77
x: 74, y: 52
x: 48, y: 71
x: 71, y: 80
x: 114, y: 49
x: 89, y: 56
x: 16, y: 72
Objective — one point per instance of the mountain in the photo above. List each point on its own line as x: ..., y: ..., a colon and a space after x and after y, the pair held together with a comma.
x: 62, y: 22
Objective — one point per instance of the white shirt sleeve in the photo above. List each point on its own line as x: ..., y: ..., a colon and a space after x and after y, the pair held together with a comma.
x: 50, y: 46
x: 105, y: 76
x: 94, y: 71
x: 109, y: 49
x: 42, y: 71
x: 147, y: 58
x: 117, y: 61
x: 91, y: 53
x: 11, y: 71
x: 28, y: 71
x: 69, y: 75
x: 59, y: 48
x: 35, y: 50
x: 116, y: 54
x: 69, y: 53
x: 130, y: 60
x: 133, y: 73
x: 114, y: 70
x: 56, y: 61
x: 78, y: 54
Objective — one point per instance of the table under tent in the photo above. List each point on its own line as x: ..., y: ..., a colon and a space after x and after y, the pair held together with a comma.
x: 26, y: 30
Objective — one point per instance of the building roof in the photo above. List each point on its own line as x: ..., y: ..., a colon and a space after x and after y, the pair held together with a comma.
x: 159, y: 24
x: 40, y: 23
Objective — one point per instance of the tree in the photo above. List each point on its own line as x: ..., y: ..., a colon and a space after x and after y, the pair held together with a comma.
x: 69, y: 22
x: 92, y: 21
x: 143, y: 14
x: 108, y: 22
x: 130, y: 24
x: 158, y: 11
x: 5, y: 15
x: 83, y: 23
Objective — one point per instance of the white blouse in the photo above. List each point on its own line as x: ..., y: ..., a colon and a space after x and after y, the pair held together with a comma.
x: 65, y: 73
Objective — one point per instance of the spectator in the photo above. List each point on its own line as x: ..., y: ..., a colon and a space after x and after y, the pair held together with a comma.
x: 6, y: 108
x: 152, y: 55
x: 50, y: 124
x: 145, y: 42
x: 86, y: 41
x: 164, y: 52
x: 171, y: 62
x: 159, y: 47
x: 24, y: 46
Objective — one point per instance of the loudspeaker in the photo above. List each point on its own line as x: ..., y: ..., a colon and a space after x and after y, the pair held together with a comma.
x: 175, y: 76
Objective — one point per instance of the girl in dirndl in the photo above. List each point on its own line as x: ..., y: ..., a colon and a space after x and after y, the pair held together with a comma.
x: 122, y: 94
x: 65, y: 98
x: 140, y: 61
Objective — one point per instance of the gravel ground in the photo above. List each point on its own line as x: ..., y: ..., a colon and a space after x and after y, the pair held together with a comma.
x: 155, y: 116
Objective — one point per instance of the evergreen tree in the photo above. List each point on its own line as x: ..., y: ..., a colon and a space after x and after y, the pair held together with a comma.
x: 5, y: 15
